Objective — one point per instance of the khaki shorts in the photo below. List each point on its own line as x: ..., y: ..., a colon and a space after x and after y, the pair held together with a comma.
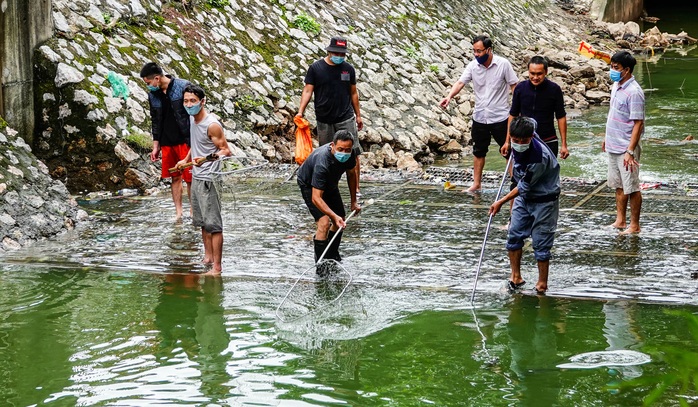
x: 620, y: 177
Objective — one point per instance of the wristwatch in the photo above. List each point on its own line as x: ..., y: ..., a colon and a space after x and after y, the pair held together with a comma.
x: 632, y: 154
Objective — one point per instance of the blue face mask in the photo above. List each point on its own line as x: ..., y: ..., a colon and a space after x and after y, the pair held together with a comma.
x: 193, y: 110
x: 152, y: 88
x: 336, y: 60
x: 615, y: 75
x: 482, y: 59
x: 520, y: 148
x: 342, y: 157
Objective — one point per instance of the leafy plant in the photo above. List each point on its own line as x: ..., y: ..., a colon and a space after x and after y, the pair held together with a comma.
x: 160, y: 20
x: 434, y: 68
x: 218, y: 3
x: 682, y: 368
x: 306, y: 24
x: 248, y: 102
x: 107, y: 18
x: 411, y: 52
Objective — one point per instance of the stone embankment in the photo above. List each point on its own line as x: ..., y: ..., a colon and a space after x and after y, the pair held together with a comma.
x: 252, y: 57
x: 33, y: 205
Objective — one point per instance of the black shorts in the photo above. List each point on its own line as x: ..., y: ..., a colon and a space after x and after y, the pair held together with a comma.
x: 482, y: 135
x: 332, y: 198
x: 554, y: 146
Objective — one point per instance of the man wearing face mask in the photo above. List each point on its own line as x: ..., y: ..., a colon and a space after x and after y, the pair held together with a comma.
x: 333, y: 82
x: 170, y: 127
x: 318, y: 179
x: 207, y: 140
x: 624, y: 128
x: 541, y: 99
x: 492, y: 79
x: 536, y: 206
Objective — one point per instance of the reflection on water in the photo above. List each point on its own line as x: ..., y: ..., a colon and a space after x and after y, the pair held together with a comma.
x: 118, y: 313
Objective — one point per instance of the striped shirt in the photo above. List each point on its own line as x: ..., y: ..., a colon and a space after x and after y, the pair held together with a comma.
x: 491, y: 86
x: 627, y: 105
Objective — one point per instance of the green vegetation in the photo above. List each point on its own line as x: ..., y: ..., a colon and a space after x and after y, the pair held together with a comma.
x: 107, y: 18
x: 3, y: 123
x: 411, y: 51
x: 307, y: 24
x: 218, y: 3
x: 434, y: 68
x: 140, y: 141
x: 160, y: 20
x: 681, y: 373
x: 248, y: 102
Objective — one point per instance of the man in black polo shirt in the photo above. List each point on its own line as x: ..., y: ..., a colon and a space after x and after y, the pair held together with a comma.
x: 318, y: 179
x: 333, y: 81
x: 540, y: 99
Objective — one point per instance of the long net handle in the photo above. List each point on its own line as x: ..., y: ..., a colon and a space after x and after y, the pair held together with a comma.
x: 487, y: 230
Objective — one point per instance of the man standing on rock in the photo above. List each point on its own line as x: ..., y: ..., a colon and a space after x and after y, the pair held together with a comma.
x: 492, y: 79
x: 624, y: 127
x: 318, y: 179
x: 333, y: 81
x: 170, y: 127
x: 536, y: 204
x: 541, y: 99
x: 207, y: 140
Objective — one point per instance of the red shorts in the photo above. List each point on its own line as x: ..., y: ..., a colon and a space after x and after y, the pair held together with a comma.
x: 171, y: 155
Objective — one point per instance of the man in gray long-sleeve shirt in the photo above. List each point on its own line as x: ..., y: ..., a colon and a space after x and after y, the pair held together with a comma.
x: 536, y: 204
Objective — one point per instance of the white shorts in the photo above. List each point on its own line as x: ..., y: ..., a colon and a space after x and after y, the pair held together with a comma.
x: 620, y: 177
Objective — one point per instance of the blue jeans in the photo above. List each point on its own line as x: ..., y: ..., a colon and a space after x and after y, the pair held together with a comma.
x: 537, y: 220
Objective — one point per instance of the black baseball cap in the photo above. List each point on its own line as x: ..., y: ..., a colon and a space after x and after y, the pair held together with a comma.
x: 337, y: 44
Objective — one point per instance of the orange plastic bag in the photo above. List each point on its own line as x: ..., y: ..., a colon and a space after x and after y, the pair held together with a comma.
x: 304, y: 144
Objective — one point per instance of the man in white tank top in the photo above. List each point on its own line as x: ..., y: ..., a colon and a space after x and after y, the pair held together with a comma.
x: 207, y: 140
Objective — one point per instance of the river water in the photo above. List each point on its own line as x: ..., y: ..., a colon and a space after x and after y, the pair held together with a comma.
x: 116, y: 313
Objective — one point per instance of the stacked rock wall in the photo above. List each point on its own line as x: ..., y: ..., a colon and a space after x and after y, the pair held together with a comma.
x: 251, y: 57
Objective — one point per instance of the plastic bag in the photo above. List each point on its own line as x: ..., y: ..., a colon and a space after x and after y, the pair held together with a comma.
x: 119, y: 88
x: 304, y: 143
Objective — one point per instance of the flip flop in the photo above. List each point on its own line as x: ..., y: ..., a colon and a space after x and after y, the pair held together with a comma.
x: 513, y: 287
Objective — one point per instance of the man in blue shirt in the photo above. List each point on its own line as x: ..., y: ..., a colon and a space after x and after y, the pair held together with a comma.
x: 536, y: 206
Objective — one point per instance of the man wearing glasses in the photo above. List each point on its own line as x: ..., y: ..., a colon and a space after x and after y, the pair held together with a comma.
x: 492, y: 79
x: 333, y: 81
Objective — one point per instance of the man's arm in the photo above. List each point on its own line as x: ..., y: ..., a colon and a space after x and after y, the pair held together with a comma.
x: 355, y: 103
x: 217, y: 136
x: 494, y: 209
x: 562, y: 127
x: 351, y: 181
x: 628, y: 160
x: 306, y: 95
x: 322, y: 206
x: 454, y: 91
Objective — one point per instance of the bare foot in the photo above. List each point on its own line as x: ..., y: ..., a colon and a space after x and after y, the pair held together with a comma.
x: 207, y: 261
x: 630, y: 231
x: 541, y: 288
x: 618, y: 225
x: 474, y: 188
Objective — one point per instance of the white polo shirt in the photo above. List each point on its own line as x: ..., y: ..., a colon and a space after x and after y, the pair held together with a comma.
x: 492, y: 86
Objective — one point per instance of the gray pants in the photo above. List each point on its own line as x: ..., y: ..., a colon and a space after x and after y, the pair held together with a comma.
x: 325, y: 132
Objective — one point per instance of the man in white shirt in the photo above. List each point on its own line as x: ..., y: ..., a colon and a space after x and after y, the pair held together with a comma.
x: 492, y: 79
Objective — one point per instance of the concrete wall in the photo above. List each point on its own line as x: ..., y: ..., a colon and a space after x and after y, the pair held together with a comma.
x: 23, y: 25
x: 613, y: 11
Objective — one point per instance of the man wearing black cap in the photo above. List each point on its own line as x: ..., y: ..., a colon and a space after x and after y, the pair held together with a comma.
x: 333, y: 81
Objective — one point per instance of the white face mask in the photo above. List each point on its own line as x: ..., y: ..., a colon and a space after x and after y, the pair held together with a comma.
x: 520, y: 148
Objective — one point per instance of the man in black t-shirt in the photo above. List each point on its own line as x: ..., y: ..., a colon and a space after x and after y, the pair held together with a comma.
x: 541, y: 99
x: 318, y: 179
x: 333, y: 82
